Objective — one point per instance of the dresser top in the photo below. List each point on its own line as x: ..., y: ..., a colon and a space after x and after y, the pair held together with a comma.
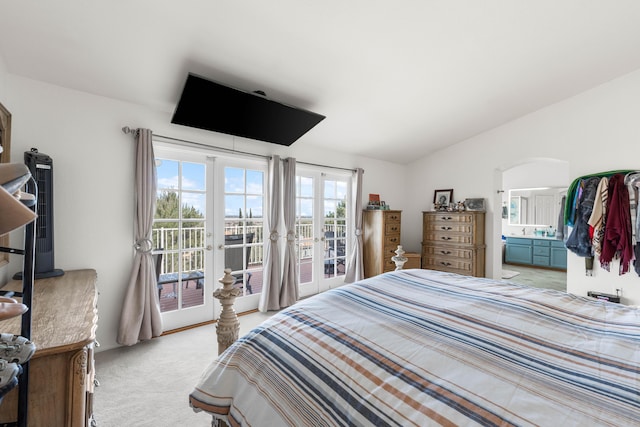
x: 63, y: 312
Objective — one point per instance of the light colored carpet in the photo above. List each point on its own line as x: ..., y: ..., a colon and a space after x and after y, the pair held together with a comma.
x: 148, y: 384
x: 538, y: 277
x: 508, y: 274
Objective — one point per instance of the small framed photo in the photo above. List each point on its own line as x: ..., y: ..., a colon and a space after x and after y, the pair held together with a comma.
x: 474, y: 204
x: 443, y: 197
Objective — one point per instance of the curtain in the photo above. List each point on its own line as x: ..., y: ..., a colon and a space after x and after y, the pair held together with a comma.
x: 355, y: 267
x: 289, y: 288
x: 269, y: 299
x: 140, y: 318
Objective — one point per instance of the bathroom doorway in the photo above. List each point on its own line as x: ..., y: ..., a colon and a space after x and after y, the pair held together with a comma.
x: 535, y: 233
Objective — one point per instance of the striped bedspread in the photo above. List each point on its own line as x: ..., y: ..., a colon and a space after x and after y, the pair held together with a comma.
x: 422, y: 348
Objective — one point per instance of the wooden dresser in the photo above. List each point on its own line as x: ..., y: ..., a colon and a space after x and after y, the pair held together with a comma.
x: 61, y: 372
x: 381, y: 237
x: 454, y: 242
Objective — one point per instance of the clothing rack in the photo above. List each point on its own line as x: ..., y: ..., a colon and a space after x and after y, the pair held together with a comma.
x: 604, y: 219
x: 571, y: 191
x: 26, y: 295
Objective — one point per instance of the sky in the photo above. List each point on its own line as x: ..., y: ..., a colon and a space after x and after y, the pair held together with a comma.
x: 241, y: 186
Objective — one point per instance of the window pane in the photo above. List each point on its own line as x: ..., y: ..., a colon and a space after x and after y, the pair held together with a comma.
x: 254, y: 206
x: 341, y: 190
x: 234, y: 206
x: 329, y: 208
x: 193, y: 205
x: 233, y: 180
x: 305, y: 209
x: 167, y: 173
x: 306, y: 186
x: 193, y: 176
x: 167, y: 204
x: 330, y: 189
x: 254, y: 182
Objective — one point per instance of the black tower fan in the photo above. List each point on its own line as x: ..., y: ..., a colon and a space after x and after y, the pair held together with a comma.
x: 41, y: 167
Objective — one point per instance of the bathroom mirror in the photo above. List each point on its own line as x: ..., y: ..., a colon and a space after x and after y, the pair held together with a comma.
x: 535, y: 206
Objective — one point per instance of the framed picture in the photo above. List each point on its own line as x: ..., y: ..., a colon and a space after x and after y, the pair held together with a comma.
x: 443, y: 197
x: 474, y: 204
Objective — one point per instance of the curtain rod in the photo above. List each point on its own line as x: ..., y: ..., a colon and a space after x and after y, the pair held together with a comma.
x: 128, y: 130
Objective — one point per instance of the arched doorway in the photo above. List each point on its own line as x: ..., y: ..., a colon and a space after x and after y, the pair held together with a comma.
x: 531, y: 243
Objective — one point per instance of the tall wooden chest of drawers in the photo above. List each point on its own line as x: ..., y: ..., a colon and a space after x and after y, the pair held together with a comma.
x: 381, y: 237
x: 454, y: 242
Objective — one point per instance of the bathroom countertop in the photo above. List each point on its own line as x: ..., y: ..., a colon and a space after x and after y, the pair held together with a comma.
x: 533, y: 236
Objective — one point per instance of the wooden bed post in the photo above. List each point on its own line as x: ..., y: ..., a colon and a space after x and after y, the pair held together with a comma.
x: 399, y: 259
x: 228, y: 325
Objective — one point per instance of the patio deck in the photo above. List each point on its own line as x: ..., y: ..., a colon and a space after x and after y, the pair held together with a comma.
x: 193, y: 295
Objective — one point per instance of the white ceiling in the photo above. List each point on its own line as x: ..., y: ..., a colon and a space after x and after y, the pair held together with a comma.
x: 397, y: 80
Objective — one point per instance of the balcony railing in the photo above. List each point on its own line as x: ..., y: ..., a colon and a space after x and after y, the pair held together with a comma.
x: 193, y: 238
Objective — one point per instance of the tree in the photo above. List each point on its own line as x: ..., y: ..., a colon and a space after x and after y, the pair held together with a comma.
x: 341, y: 210
x: 167, y: 208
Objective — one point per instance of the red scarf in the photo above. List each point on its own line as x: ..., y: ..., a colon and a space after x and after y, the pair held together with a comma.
x: 617, y: 233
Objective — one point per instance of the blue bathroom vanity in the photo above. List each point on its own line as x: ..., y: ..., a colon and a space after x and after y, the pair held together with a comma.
x: 536, y: 251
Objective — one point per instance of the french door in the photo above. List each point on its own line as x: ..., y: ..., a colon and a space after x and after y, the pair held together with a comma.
x: 183, y: 238
x: 240, y: 194
x: 322, y: 225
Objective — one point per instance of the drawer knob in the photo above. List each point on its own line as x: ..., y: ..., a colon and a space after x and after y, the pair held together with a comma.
x: 445, y: 252
x: 446, y: 228
x: 446, y: 218
x: 446, y: 238
x: 446, y: 264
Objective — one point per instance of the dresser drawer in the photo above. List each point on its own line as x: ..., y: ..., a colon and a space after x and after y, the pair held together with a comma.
x: 444, y: 252
x: 389, y: 252
x: 448, y: 228
x: 389, y: 265
x: 392, y: 228
x: 452, y: 265
x: 392, y: 217
x: 392, y: 240
x: 448, y: 218
x: 448, y: 237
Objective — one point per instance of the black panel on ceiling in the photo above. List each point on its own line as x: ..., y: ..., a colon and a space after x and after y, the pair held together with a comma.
x: 208, y: 105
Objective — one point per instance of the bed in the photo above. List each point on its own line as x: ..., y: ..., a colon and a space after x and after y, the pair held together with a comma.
x: 420, y: 347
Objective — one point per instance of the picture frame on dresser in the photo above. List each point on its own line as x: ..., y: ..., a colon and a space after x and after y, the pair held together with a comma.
x: 474, y: 205
x: 443, y: 197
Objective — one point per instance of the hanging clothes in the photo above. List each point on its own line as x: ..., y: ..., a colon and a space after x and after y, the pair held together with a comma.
x: 632, y: 180
x: 579, y: 241
x: 617, y: 235
x: 598, y: 215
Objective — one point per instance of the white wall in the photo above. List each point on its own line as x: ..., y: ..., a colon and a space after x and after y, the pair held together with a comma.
x: 595, y: 131
x: 93, y: 177
x: 3, y: 74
